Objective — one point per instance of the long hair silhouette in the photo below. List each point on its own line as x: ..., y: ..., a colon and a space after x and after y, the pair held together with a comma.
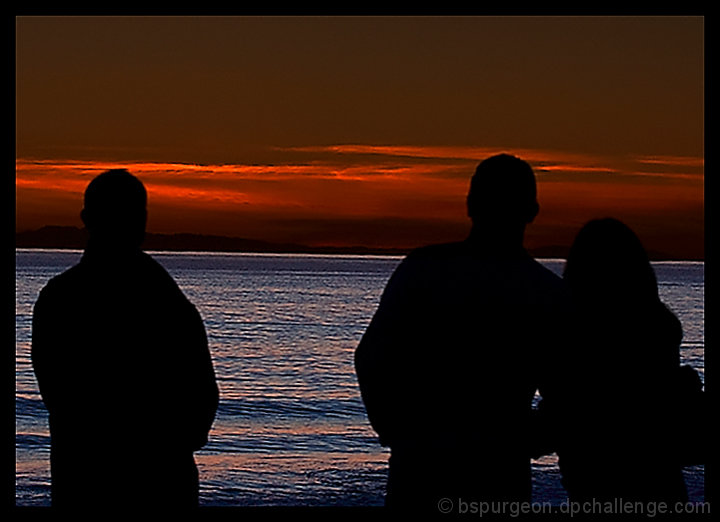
x: 620, y: 373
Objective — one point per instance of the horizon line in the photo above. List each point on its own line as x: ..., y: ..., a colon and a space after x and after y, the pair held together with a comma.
x: 305, y: 249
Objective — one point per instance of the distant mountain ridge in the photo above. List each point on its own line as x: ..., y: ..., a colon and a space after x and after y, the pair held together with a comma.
x: 66, y: 237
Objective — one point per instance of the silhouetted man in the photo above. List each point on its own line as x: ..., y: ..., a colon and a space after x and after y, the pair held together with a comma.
x: 451, y: 360
x: 122, y: 362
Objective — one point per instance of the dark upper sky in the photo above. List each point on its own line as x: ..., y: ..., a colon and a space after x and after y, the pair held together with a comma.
x: 193, y: 103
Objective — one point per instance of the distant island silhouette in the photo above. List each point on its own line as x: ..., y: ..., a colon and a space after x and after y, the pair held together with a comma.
x: 74, y: 238
x: 67, y: 237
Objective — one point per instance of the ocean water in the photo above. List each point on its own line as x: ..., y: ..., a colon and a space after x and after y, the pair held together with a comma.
x: 291, y: 428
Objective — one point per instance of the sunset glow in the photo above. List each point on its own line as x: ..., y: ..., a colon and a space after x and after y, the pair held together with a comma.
x: 396, y: 183
x: 307, y: 130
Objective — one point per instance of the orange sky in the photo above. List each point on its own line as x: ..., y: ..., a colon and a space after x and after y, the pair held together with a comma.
x: 364, y: 131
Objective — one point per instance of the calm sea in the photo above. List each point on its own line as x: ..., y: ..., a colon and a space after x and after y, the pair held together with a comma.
x: 291, y: 428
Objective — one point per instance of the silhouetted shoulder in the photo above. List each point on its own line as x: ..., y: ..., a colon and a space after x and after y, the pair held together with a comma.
x: 64, y: 282
x: 422, y: 265
x: 158, y: 272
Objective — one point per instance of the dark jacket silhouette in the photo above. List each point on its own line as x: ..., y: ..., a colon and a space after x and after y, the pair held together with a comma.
x: 122, y: 362
x: 620, y: 399
x: 457, y: 349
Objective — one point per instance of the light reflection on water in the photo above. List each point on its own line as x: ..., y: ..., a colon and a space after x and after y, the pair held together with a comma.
x: 291, y: 428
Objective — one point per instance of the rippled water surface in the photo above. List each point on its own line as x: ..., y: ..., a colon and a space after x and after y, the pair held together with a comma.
x: 291, y: 428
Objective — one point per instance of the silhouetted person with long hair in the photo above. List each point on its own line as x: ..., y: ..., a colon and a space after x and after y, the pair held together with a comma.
x: 122, y: 362
x: 620, y: 397
x: 453, y: 356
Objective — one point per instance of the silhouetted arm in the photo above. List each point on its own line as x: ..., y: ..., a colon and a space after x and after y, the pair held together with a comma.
x: 692, y: 415
x: 378, y: 356
x: 44, y: 334
x: 551, y: 364
x: 202, y: 394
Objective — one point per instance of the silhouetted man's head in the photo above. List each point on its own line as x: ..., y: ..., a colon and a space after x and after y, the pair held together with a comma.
x: 503, y: 192
x: 115, y: 209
